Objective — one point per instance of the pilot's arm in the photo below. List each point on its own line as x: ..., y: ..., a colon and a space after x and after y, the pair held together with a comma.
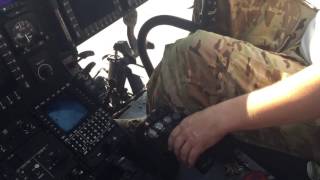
x: 293, y: 100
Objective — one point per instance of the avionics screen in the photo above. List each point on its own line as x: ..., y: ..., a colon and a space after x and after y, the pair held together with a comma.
x: 66, y: 113
x: 5, y: 2
x: 90, y: 11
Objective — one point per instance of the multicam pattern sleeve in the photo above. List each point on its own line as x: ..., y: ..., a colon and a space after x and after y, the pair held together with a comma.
x: 273, y: 25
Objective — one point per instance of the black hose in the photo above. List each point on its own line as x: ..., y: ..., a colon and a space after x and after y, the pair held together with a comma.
x: 156, y: 21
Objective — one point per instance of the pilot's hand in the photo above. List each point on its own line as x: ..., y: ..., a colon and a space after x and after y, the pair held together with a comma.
x: 194, y: 135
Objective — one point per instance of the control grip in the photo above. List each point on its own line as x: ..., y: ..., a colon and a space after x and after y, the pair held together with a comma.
x: 157, y: 129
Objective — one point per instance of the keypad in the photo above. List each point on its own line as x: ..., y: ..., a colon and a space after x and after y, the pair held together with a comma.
x: 90, y: 133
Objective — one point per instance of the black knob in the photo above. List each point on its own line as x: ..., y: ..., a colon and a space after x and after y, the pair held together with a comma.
x: 45, y: 71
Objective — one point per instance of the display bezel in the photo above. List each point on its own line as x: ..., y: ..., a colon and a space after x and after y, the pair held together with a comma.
x: 65, y: 91
x: 82, y: 34
x: 59, y: 102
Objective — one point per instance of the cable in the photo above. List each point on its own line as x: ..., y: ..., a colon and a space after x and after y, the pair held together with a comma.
x: 157, y: 21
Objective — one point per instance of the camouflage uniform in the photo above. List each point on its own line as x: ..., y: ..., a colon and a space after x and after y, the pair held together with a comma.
x: 253, y: 44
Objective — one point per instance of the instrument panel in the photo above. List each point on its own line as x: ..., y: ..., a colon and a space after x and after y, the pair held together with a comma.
x: 54, y: 124
x: 102, y: 14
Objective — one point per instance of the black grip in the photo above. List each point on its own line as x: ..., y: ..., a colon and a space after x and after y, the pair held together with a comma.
x: 156, y: 21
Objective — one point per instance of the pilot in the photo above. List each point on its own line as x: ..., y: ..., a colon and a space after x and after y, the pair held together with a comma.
x: 254, y: 73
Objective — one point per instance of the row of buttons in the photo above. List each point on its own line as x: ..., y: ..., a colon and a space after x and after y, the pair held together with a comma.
x: 104, y: 22
x: 72, y: 18
x: 9, y: 100
x: 91, y: 133
x: 15, y: 71
x: 11, y: 62
x: 52, y: 96
x: 110, y: 18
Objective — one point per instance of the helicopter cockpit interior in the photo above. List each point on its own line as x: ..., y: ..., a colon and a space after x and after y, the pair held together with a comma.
x: 59, y: 122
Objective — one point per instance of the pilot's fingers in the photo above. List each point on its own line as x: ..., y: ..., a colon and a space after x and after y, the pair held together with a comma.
x: 185, y: 151
x: 178, y: 143
x: 193, y: 155
x: 174, y: 134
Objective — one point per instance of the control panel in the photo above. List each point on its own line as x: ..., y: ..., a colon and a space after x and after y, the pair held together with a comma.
x: 38, y: 160
x: 14, y: 132
x: 55, y: 121
x: 75, y: 119
x: 30, y: 43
